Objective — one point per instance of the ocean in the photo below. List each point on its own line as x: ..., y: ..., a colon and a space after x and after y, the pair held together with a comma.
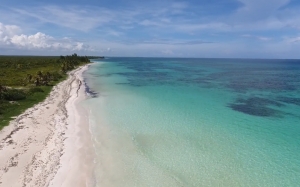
x: 194, y: 122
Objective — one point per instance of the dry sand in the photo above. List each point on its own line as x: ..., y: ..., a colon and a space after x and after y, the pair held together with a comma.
x: 50, y: 143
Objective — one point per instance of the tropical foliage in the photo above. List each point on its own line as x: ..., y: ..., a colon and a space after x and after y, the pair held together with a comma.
x: 27, y: 80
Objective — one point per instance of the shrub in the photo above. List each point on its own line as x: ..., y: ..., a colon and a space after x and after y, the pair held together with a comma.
x: 3, y: 105
x: 14, y: 95
x: 35, y: 89
x: 56, y: 76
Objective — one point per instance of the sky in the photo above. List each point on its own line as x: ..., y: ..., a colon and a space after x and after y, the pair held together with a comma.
x: 152, y: 28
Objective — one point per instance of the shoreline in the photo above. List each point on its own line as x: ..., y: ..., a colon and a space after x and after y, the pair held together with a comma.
x: 50, y: 143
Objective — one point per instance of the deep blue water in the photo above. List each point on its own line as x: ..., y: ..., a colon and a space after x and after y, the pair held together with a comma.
x: 195, y: 122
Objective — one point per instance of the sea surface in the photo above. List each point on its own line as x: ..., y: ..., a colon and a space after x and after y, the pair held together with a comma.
x: 171, y: 122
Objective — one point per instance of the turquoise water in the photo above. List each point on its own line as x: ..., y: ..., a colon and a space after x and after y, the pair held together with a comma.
x: 195, y: 122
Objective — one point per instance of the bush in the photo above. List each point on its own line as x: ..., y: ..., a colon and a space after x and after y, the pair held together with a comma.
x: 56, y: 76
x: 14, y: 95
x: 3, y: 105
x: 35, y: 89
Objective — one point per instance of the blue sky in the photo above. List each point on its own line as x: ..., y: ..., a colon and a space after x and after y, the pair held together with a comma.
x: 154, y: 28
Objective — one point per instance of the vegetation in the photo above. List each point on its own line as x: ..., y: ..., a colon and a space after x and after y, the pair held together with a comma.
x: 25, y: 81
x: 96, y: 57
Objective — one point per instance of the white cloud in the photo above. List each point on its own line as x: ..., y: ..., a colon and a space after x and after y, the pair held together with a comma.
x: 71, y: 17
x: 9, y: 36
x: 86, y: 18
x: 257, y: 15
x: 254, y: 15
x: 147, y: 22
x: 205, y: 26
x: 292, y: 40
x: 39, y: 40
x: 179, y: 5
x: 262, y: 38
x: 167, y: 52
x: 43, y: 41
x: 254, y: 10
x: 7, y: 31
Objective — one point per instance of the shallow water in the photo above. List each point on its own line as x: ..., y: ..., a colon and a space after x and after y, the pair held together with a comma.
x: 195, y: 122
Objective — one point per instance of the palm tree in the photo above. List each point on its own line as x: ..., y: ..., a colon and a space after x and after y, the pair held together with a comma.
x: 39, y: 74
x: 48, y: 74
x: 63, y: 67
x: 29, y: 78
x: 37, y: 81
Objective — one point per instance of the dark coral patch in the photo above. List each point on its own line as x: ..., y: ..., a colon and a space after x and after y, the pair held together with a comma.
x: 256, y: 106
x: 289, y: 100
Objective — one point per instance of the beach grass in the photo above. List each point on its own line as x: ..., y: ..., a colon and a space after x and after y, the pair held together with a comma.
x: 12, y: 109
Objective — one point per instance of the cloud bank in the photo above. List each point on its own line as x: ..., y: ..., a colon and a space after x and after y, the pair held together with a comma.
x: 10, y: 36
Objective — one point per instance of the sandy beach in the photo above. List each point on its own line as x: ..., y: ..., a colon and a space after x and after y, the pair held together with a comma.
x: 50, y: 143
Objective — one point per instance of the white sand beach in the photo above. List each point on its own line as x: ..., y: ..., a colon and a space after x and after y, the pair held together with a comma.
x: 50, y: 143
